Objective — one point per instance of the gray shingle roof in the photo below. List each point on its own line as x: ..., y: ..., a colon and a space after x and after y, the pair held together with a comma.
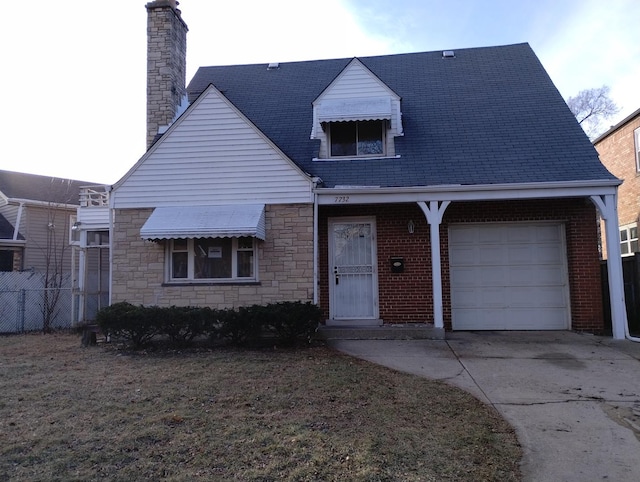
x: 33, y: 187
x: 490, y: 115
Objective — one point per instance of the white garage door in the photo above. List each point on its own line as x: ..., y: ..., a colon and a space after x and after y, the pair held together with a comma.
x: 510, y: 276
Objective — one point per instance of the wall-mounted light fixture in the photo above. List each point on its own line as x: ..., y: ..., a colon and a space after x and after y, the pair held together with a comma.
x: 51, y: 226
x: 76, y: 226
x: 411, y: 226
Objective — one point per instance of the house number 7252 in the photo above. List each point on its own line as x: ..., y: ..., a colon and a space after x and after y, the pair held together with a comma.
x: 342, y: 199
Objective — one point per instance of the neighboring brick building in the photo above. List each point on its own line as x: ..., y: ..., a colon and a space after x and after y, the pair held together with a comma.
x: 619, y: 151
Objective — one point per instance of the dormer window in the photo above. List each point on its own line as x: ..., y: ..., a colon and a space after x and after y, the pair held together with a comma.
x: 357, y: 116
x: 357, y: 138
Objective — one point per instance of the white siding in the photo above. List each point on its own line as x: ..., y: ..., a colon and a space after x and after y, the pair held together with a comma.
x: 10, y: 212
x: 94, y: 216
x: 212, y: 155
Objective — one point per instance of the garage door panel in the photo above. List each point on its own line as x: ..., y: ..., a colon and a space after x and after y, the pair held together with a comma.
x: 518, y: 319
x: 508, y: 276
x: 535, y: 298
x: 488, y: 255
x: 535, y: 275
x: 488, y: 319
x: 478, y: 298
x: 549, y: 254
x: 463, y: 255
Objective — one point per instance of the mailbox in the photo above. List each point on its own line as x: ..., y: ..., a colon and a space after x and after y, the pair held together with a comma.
x: 397, y: 265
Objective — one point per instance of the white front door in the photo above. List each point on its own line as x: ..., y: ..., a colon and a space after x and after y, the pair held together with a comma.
x: 353, y: 281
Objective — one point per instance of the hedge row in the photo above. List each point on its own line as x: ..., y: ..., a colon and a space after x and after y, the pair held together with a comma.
x: 284, y: 323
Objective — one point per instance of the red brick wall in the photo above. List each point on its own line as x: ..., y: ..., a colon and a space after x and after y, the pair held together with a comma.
x: 407, y: 297
x: 617, y: 153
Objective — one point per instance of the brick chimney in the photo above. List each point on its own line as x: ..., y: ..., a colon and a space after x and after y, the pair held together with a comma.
x: 166, y: 64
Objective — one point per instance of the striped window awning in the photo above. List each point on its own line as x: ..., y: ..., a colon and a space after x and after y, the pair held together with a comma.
x: 226, y: 221
x: 357, y: 109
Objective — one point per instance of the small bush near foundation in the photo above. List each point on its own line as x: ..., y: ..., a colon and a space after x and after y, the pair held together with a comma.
x: 136, y: 324
x: 284, y: 323
x: 182, y: 324
x: 243, y: 326
x: 293, y: 321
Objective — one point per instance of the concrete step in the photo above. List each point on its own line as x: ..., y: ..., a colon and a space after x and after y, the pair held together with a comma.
x: 413, y: 331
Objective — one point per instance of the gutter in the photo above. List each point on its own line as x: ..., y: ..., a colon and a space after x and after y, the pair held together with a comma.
x: 42, y: 203
x: 466, y: 192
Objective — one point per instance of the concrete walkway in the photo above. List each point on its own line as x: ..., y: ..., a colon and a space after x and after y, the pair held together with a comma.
x: 573, y: 399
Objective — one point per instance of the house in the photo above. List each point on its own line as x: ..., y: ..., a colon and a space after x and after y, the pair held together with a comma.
x: 35, y: 217
x: 449, y: 188
x: 37, y: 251
x: 619, y: 151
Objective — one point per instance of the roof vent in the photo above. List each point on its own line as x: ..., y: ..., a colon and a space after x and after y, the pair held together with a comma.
x: 448, y: 54
x: 273, y: 66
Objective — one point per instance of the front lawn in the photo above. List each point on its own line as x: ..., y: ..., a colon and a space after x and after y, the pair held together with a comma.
x: 69, y: 413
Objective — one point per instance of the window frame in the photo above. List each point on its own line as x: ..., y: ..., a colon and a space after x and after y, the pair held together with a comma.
x: 190, y: 249
x: 636, y: 145
x: 384, y: 127
x: 626, y: 248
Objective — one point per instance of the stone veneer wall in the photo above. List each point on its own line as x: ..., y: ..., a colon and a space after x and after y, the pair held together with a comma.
x: 285, y: 263
x: 166, y: 64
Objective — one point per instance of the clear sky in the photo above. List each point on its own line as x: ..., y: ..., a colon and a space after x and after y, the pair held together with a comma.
x: 73, y: 72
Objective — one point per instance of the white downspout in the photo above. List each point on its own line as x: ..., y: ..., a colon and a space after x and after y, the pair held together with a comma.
x: 315, y: 248
x: 434, y: 213
x: 16, y: 229
x: 607, y: 205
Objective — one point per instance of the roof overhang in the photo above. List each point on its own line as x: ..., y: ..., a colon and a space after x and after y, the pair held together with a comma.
x: 225, y: 221
x: 462, y: 192
x: 358, y: 109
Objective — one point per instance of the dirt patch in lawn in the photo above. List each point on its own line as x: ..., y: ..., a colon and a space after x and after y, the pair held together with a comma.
x: 71, y: 413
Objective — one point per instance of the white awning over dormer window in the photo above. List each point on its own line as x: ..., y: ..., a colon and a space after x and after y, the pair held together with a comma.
x: 357, y: 109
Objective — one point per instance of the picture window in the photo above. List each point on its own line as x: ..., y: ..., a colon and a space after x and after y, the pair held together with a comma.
x: 202, y: 259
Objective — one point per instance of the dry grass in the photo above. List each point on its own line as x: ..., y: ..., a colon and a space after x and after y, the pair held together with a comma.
x: 71, y: 413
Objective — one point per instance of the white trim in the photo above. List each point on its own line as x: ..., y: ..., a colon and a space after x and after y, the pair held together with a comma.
x: 636, y: 147
x: 607, y: 205
x: 458, y: 192
x: 627, y: 228
x: 434, y: 214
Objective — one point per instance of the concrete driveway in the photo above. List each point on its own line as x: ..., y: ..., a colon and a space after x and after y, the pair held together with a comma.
x: 573, y: 399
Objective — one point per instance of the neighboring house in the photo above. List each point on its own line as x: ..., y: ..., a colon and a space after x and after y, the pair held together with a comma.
x: 37, y: 251
x: 619, y: 150
x: 35, y: 218
x: 449, y: 188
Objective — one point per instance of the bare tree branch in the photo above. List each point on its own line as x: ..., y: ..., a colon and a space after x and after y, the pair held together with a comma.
x: 592, y: 106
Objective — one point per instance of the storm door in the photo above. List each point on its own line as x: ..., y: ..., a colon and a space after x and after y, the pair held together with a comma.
x: 353, y: 282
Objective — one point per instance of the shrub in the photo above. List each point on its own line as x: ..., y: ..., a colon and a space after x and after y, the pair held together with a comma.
x: 182, y: 324
x: 133, y: 323
x: 293, y: 321
x: 242, y: 326
x: 287, y: 322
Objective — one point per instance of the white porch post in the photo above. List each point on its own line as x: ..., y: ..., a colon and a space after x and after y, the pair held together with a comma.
x: 434, y: 212
x: 607, y: 205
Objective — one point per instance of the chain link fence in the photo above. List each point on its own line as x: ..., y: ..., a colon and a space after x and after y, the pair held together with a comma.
x: 26, y: 305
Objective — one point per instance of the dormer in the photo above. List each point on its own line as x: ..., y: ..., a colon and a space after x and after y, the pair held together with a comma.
x: 357, y: 116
